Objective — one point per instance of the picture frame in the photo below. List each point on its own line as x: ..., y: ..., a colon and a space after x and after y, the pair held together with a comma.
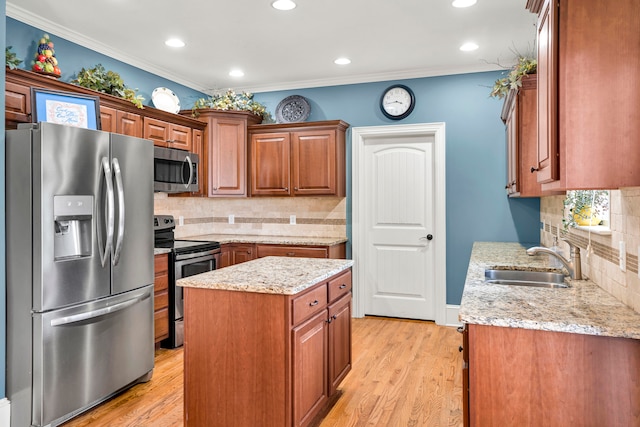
x: 65, y: 108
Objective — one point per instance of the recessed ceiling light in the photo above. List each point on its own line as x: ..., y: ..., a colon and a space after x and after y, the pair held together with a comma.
x: 342, y: 61
x: 236, y: 73
x: 283, y: 4
x: 174, y: 43
x: 468, y: 47
x: 463, y: 3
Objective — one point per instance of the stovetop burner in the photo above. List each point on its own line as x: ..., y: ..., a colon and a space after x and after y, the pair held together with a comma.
x: 163, y: 226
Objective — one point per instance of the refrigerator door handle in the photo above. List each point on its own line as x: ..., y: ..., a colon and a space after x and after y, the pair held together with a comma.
x: 67, y: 320
x: 187, y: 159
x: 120, y: 188
x: 109, y: 214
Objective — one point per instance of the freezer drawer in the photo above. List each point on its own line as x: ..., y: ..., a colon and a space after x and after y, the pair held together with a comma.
x: 84, y: 353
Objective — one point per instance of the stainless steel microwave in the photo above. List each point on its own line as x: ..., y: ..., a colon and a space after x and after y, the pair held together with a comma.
x: 175, y: 171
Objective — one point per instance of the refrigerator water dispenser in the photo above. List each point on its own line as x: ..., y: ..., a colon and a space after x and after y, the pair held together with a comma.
x: 72, y: 221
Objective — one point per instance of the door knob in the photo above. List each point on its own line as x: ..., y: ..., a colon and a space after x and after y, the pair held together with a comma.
x: 427, y: 237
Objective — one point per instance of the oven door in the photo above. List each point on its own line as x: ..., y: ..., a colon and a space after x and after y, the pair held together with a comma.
x: 188, y: 265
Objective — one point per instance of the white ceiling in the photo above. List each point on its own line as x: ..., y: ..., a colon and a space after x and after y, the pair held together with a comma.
x: 385, y: 40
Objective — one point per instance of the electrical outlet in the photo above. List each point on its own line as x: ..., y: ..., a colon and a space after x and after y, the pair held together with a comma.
x: 623, y: 256
x: 292, y: 219
x: 232, y: 219
x: 180, y: 220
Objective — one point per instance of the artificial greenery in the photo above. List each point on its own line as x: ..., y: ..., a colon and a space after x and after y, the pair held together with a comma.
x: 585, y: 205
x: 526, y: 65
x: 97, y: 78
x: 11, y: 60
x: 232, y: 101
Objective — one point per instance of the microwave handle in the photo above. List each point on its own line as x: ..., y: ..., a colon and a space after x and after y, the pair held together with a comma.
x: 188, y: 160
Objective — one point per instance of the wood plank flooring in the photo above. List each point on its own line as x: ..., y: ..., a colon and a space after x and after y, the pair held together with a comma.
x: 405, y: 373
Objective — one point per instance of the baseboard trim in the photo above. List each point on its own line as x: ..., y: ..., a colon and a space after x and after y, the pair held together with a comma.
x: 5, y: 412
x: 452, y: 315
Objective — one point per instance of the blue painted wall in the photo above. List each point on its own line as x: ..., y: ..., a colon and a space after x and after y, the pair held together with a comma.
x: 477, y: 206
x: 72, y: 58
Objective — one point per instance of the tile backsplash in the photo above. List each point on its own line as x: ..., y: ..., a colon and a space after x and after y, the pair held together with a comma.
x: 268, y: 216
x: 600, y: 253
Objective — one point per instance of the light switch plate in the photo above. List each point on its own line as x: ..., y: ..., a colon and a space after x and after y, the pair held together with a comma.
x: 623, y: 256
x: 292, y: 219
x: 232, y: 219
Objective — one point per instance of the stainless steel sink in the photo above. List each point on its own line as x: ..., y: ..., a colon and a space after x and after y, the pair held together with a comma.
x: 539, y: 279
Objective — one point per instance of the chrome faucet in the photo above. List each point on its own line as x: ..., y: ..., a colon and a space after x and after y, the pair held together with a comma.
x: 572, y: 265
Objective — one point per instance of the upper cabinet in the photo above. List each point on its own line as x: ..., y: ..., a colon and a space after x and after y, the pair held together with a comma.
x: 167, y: 134
x: 588, y: 95
x: 224, y: 158
x: 298, y: 159
x: 519, y: 115
x: 123, y: 122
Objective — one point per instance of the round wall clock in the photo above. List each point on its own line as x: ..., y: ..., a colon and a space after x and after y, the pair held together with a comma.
x: 397, y: 102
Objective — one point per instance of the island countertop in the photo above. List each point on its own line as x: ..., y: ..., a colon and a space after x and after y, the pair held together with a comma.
x: 270, y: 275
x: 583, y: 308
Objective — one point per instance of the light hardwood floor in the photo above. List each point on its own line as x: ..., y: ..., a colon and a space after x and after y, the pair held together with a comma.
x: 405, y: 373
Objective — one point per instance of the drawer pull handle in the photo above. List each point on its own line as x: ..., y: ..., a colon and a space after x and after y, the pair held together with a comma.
x: 311, y: 304
x: 291, y: 253
x: 342, y: 286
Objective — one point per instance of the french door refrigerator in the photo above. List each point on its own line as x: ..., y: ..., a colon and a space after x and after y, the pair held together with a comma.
x: 79, y: 235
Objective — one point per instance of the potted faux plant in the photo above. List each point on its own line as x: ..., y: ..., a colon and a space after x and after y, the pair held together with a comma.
x: 231, y: 101
x: 584, y: 207
x: 526, y: 65
x: 10, y: 58
x: 97, y: 78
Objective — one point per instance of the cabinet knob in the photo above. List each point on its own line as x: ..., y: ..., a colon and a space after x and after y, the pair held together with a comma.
x: 533, y: 169
x: 249, y: 251
x: 286, y: 189
x: 295, y: 188
x: 460, y: 349
x: 291, y: 254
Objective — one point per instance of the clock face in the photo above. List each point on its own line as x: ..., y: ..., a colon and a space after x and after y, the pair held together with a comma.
x: 397, y: 102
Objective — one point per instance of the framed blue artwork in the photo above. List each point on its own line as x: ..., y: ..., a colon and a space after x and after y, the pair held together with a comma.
x: 65, y: 108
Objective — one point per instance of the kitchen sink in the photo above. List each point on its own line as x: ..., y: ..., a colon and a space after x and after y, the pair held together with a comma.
x: 538, y: 279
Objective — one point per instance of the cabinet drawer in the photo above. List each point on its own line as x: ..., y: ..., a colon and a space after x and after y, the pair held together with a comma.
x: 160, y: 300
x: 161, y: 283
x: 160, y: 264
x: 309, y: 303
x: 161, y: 324
x: 292, y: 251
x: 339, y: 286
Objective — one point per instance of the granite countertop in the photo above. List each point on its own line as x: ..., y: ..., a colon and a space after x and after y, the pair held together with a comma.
x: 275, y: 240
x: 160, y: 251
x: 269, y: 275
x: 583, y: 308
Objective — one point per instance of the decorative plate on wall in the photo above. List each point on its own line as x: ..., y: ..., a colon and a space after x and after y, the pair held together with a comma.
x: 293, y: 109
x: 164, y: 99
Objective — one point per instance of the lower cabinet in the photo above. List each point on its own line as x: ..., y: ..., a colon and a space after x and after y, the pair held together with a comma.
x: 235, y: 253
x: 271, y: 360
x: 161, y: 297
x: 522, y: 377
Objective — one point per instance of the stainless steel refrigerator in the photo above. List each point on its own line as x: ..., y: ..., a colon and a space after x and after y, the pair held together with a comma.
x: 79, y: 235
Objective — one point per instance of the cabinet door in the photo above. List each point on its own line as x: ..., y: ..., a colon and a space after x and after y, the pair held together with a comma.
x: 17, y: 100
x: 180, y: 137
x: 339, y: 341
x: 129, y: 124
x: 161, y: 297
x: 512, y: 147
x: 270, y: 164
x: 157, y: 131
x: 228, y: 158
x: 548, y: 160
x: 108, y: 118
x: 242, y: 253
x: 198, y: 148
x: 310, y: 391
x: 313, y: 168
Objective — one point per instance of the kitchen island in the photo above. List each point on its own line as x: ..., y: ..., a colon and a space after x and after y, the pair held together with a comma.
x: 267, y: 342
x: 545, y: 356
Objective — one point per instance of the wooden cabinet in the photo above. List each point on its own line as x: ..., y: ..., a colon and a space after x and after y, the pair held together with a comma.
x: 122, y: 122
x: 540, y: 378
x: 298, y: 159
x: 165, y: 134
x: 161, y: 297
x: 17, y: 103
x: 588, y: 120
x: 519, y: 115
x: 224, y: 159
x: 283, y: 355
x: 235, y: 253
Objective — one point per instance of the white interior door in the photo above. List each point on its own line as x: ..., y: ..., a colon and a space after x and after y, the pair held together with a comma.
x: 399, y: 229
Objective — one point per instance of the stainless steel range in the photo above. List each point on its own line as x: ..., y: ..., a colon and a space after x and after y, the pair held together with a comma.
x: 187, y: 258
